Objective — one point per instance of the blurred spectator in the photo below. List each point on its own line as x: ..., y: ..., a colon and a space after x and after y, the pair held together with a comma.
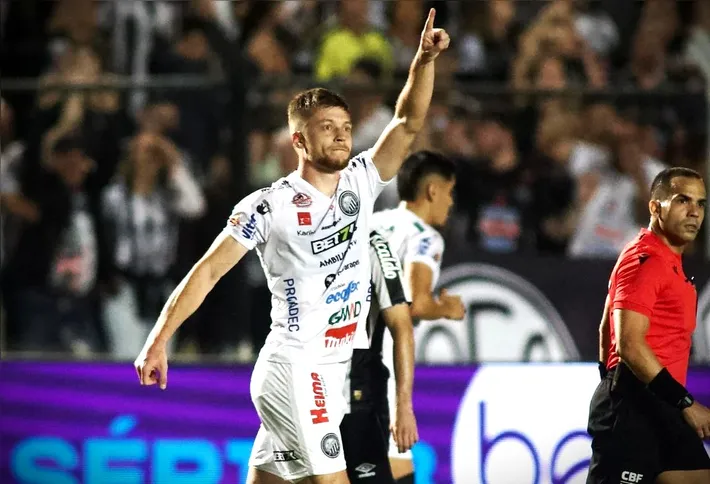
x: 200, y: 117
x: 48, y: 282
x: 406, y: 20
x: 486, y: 47
x: 697, y: 49
x: 140, y: 216
x: 596, y: 27
x: 350, y: 41
x: 493, y: 190
x: 613, y: 210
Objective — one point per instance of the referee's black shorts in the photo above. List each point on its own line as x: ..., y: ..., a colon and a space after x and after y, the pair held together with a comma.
x: 636, y: 436
x: 365, y: 430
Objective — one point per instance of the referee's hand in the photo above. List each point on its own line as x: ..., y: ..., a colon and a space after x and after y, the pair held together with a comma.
x: 404, y: 429
x: 698, y: 417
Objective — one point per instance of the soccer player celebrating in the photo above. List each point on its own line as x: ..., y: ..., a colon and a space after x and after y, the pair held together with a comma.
x: 311, y: 232
x: 401, y: 238
x: 644, y: 424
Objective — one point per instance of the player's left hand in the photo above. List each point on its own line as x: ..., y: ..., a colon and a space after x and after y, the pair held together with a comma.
x: 433, y: 41
x: 404, y: 429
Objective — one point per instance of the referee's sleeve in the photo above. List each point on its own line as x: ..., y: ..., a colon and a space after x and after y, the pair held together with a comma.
x: 639, y: 279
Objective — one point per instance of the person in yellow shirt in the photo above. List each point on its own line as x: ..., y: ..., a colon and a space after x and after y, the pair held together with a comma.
x: 350, y: 41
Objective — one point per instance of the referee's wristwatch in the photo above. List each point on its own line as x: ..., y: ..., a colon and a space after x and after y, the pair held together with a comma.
x: 686, y: 402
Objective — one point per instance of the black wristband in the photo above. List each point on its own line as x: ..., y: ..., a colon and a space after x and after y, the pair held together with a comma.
x: 670, y: 390
x: 603, y: 372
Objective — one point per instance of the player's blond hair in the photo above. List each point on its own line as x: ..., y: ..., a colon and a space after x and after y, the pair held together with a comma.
x: 306, y: 103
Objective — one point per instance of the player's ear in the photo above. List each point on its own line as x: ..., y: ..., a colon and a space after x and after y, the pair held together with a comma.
x: 431, y: 190
x: 298, y: 140
x: 654, y: 207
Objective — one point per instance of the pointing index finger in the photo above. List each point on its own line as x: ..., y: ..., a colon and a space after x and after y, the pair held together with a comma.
x: 430, y: 19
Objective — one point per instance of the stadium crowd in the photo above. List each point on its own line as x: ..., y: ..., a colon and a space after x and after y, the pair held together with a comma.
x: 558, y: 114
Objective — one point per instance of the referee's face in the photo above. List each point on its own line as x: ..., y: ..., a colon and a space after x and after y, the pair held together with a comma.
x: 682, y: 214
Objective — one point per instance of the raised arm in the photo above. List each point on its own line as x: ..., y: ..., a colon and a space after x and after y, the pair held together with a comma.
x: 395, y: 142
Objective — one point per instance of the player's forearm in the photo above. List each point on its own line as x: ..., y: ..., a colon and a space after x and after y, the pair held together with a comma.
x: 415, y: 98
x: 429, y: 309
x: 403, y: 339
x: 183, y: 301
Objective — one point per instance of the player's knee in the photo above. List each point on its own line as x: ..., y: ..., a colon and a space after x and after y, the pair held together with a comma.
x: 408, y: 479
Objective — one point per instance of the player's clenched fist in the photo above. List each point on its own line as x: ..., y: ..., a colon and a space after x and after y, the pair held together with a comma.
x: 152, y: 365
x: 433, y: 41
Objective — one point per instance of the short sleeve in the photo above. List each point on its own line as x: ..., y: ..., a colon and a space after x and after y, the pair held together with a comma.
x: 250, y: 222
x: 426, y: 249
x: 637, y: 283
x: 387, y: 275
x: 364, y: 169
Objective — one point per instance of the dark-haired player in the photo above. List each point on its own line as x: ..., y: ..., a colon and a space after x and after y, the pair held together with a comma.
x: 310, y: 231
x: 644, y: 424
x: 405, y: 236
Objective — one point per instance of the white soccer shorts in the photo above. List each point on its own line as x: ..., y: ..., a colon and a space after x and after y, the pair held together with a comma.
x: 300, y: 407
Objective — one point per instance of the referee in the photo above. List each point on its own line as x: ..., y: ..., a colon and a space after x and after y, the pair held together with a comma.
x: 644, y: 424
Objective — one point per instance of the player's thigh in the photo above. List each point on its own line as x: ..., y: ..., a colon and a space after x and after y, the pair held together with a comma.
x: 365, y: 446
x: 340, y: 477
x: 300, y: 407
x: 401, y: 467
x: 258, y: 476
x: 684, y: 477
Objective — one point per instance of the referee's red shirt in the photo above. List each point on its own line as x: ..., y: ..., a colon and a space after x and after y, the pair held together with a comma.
x: 648, y: 278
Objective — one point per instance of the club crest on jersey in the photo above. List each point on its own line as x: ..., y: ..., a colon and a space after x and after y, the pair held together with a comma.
x: 333, y: 240
x: 349, y: 203
x: 302, y: 200
x: 304, y: 218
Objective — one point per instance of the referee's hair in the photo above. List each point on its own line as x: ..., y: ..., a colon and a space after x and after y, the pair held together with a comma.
x: 661, y: 186
x: 417, y: 167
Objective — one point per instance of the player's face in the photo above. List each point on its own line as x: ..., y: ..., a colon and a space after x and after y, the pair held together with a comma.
x: 682, y: 214
x: 327, y: 139
x: 443, y: 200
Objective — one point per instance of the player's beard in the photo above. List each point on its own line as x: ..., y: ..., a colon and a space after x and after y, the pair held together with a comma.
x: 329, y: 164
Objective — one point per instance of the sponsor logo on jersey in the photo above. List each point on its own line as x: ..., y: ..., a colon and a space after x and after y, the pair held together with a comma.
x: 329, y: 280
x: 349, y: 203
x: 337, y: 337
x: 344, y: 295
x: 304, y: 218
x: 263, y: 208
x: 391, y: 268
x: 424, y: 245
x: 332, y: 260
x: 319, y: 414
x: 333, y: 240
x: 302, y: 200
x: 330, y: 226
x: 245, y: 222
x: 293, y: 306
x: 284, y: 456
x: 348, y: 266
x: 346, y: 313
x: 330, y: 445
x: 306, y: 232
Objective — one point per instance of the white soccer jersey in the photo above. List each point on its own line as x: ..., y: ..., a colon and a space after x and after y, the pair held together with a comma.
x: 413, y: 241
x: 314, y: 252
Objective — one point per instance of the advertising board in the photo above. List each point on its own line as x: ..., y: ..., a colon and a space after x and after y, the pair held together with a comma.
x: 90, y: 423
